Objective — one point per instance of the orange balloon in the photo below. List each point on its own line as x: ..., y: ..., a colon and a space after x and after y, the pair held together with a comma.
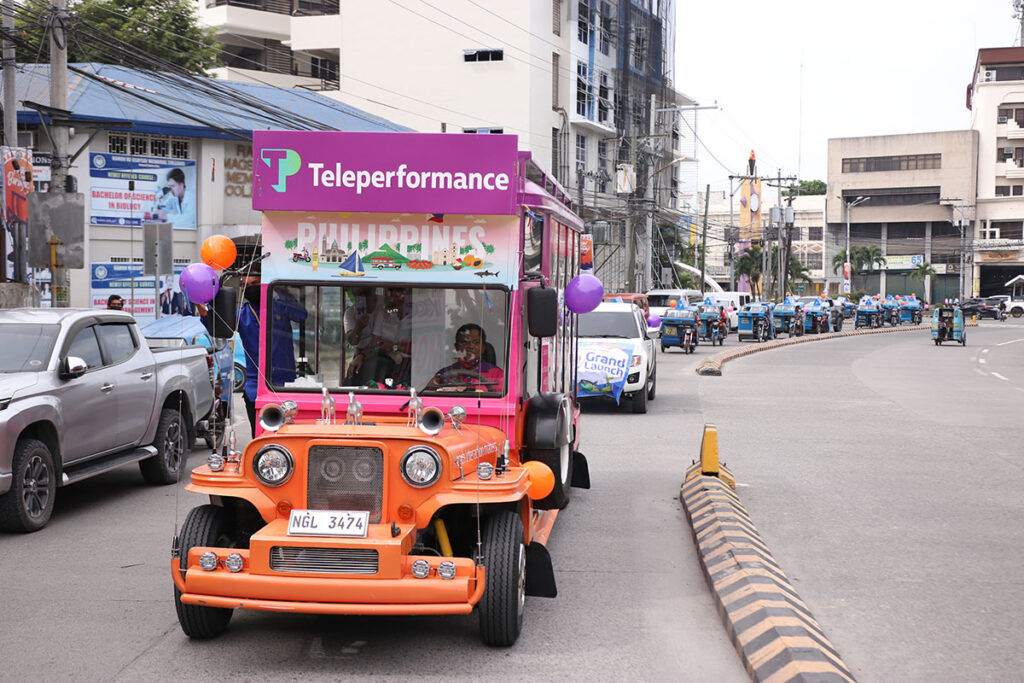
x: 542, y: 479
x: 218, y: 252
x: 672, y: 303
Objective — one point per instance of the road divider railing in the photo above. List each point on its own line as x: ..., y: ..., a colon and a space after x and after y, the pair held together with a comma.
x: 772, y: 629
x: 713, y: 364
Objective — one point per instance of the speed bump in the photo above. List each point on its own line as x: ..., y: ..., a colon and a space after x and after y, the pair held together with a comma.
x: 772, y: 629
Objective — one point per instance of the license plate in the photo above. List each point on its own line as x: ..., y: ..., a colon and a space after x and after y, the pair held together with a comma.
x: 670, y: 330
x: 346, y: 523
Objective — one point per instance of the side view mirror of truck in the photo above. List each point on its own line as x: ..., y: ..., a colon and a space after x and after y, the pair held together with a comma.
x: 542, y: 311
x: 72, y: 367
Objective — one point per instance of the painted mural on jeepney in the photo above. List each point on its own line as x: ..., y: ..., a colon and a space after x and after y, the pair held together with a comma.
x: 397, y: 247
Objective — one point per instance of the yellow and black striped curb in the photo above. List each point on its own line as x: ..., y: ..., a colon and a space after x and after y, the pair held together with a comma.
x: 771, y: 627
x: 713, y: 365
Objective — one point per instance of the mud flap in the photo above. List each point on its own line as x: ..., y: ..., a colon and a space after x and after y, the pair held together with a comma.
x: 580, y: 471
x: 540, y: 575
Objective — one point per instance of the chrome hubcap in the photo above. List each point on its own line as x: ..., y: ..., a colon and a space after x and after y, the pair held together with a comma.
x: 521, y: 585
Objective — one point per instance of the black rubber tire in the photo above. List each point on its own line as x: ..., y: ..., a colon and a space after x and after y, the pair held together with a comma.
x: 504, y: 599
x: 652, y: 392
x: 238, y: 378
x: 937, y: 342
x: 639, y: 404
x: 28, y: 505
x: 206, y: 525
x: 1017, y: 312
x: 172, y: 444
x: 663, y: 347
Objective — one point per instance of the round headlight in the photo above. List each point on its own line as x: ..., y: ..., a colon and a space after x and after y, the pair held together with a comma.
x: 215, y: 461
x: 446, y: 570
x: 208, y: 561
x: 485, y: 470
x: 421, y: 466
x: 234, y: 562
x: 273, y: 465
x: 421, y: 569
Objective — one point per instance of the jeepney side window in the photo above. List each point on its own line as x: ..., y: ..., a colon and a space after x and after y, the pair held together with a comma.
x: 533, y: 239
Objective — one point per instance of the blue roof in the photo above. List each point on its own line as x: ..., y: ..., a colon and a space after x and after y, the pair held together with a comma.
x: 172, y: 108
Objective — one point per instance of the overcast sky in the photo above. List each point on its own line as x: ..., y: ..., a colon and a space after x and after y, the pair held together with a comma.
x: 872, y: 67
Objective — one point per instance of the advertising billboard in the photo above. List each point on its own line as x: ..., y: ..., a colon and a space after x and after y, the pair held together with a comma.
x: 118, y: 278
x: 128, y: 190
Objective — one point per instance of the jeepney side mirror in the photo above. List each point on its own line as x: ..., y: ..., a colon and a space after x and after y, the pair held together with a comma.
x: 542, y: 311
x: 221, y: 313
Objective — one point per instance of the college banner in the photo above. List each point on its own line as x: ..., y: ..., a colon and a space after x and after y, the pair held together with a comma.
x: 129, y: 190
x: 602, y: 367
x: 119, y: 278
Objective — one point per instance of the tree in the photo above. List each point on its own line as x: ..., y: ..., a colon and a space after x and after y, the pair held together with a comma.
x: 749, y: 264
x: 808, y: 187
x: 128, y: 32
x: 924, y: 270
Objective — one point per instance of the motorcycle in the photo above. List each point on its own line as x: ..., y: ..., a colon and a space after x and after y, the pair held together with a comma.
x: 689, y: 339
x: 304, y: 256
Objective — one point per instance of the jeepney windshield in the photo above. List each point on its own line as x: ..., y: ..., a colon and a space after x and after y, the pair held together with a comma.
x: 388, y: 339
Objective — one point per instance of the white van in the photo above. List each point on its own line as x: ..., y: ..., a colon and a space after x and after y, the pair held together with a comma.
x: 732, y: 301
x: 660, y: 299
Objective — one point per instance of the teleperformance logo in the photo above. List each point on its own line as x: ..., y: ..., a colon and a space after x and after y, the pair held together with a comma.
x: 287, y: 162
x: 283, y: 162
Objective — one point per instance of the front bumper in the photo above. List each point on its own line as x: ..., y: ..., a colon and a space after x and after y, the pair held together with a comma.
x: 392, y: 589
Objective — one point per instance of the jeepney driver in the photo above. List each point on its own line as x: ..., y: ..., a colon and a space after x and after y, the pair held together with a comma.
x: 470, y: 370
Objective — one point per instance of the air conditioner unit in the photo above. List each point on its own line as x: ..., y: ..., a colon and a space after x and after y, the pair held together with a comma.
x: 1008, y: 150
x: 990, y: 75
x: 1001, y: 119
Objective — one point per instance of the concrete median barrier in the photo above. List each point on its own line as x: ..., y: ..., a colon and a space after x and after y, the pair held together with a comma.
x: 773, y: 630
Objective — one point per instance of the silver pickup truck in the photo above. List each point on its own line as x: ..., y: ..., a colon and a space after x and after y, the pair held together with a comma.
x: 80, y: 394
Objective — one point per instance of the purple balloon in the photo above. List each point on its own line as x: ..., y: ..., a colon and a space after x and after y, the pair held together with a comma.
x: 583, y: 293
x: 200, y: 282
x: 654, y: 320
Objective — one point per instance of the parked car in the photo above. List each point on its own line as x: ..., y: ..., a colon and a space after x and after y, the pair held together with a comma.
x: 661, y: 299
x: 81, y: 394
x: 982, y: 308
x: 177, y: 330
x: 615, y: 322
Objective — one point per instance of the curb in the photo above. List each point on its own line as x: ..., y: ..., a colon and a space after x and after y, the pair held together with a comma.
x: 713, y: 366
x: 771, y: 628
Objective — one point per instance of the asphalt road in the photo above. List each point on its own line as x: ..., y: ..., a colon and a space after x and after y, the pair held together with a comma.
x: 89, y: 597
x: 885, y: 474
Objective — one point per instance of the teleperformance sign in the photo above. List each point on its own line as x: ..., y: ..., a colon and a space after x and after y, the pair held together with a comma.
x: 385, y: 172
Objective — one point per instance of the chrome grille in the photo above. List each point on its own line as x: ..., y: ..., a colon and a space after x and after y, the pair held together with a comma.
x: 323, y: 560
x: 346, y: 478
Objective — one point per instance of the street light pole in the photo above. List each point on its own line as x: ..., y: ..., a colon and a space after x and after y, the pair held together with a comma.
x: 848, y: 266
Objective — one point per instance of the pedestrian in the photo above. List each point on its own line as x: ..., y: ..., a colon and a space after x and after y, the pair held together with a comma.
x: 115, y: 303
x: 249, y: 333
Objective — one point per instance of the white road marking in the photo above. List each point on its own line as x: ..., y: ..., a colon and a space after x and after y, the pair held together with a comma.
x: 982, y: 360
x: 980, y: 372
x: 984, y: 350
x: 1012, y: 341
x: 998, y: 376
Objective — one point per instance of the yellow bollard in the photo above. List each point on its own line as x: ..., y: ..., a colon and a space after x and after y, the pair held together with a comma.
x: 709, y: 451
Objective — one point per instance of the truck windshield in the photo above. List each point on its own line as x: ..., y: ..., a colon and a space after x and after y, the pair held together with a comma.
x: 608, y: 324
x: 26, y: 346
x: 388, y: 339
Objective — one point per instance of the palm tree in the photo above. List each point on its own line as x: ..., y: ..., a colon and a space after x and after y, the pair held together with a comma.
x: 925, y: 271
x: 749, y: 264
x: 871, y: 256
x: 839, y: 260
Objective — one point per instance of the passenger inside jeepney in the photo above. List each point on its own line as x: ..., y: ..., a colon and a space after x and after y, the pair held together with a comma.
x: 470, y: 369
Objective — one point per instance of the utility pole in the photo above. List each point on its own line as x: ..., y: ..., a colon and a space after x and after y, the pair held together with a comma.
x: 704, y: 238
x: 10, y: 109
x: 648, y: 240
x: 59, y: 100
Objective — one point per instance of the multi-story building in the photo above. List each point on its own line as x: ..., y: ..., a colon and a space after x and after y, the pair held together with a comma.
x: 580, y: 82
x: 911, y: 196
x: 996, y: 100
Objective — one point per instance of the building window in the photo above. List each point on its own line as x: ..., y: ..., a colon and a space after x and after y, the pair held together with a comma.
x: 556, y: 17
x: 605, y: 20
x: 581, y: 156
x: 1005, y: 115
x: 639, y: 44
x: 814, y: 234
x: 117, y: 144
x: 483, y: 55
x: 1005, y: 153
x: 484, y: 131
x: 603, y: 176
x: 323, y: 68
x: 584, y: 103
x: 905, y: 162
x: 180, y: 149
x: 603, y: 97
x: 160, y: 147
x: 583, y: 22
x: 555, y: 144
x: 810, y: 261
x: 554, y: 80
x: 1002, y: 190
x: 139, y: 146
x: 1008, y: 230
x: 990, y: 233
x: 1018, y: 190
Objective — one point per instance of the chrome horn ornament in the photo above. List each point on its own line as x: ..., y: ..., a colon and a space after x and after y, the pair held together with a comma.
x: 354, y: 414
x: 326, y: 408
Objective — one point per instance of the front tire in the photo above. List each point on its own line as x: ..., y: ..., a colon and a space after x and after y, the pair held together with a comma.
x: 171, y: 443
x: 640, y: 401
x: 504, y: 599
x: 654, y: 384
x: 28, y: 506
x: 238, y: 382
x: 205, y: 526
